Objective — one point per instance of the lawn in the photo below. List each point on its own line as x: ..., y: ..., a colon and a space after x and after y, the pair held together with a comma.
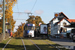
x: 15, y: 44
x: 57, y: 45
x: 3, y: 43
x: 29, y: 45
x: 43, y: 45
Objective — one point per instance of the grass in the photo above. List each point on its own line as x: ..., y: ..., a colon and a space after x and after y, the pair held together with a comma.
x: 3, y: 43
x: 15, y: 44
x: 57, y: 45
x: 29, y: 45
x: 43, y: 45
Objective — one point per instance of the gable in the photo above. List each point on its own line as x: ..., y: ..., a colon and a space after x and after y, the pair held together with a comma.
x: 55, y: 20
x: 62, y: 15
x: 64, y: 20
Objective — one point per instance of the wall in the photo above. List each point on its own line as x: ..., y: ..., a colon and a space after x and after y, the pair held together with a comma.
x: 6, y: 36
x: 67, y: 23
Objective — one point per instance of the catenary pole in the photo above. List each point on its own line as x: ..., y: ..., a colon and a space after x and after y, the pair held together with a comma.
x: 3, y: 19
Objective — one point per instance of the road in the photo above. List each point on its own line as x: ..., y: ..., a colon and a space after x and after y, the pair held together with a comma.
x: 67, y: 43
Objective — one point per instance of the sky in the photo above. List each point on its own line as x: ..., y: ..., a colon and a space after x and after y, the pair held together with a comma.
x: 43, y: 8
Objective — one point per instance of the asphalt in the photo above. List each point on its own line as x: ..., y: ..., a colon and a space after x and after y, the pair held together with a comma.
x: 65, y: 42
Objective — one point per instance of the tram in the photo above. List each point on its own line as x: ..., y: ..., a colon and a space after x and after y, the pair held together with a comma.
x: 29, y: 30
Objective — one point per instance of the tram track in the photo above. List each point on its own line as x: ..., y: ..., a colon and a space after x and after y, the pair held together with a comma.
x: 6, y: 44
x: 30, y: 44
x: 35, y: 44
x: 14, y: 44
x: 51, y: 45
x: 58, y: 47
x: 43, y: 46
x: 23, y: 44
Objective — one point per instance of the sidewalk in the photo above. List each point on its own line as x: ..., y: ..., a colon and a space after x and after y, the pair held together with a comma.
x: 62, y: 39
x: 67, y: 43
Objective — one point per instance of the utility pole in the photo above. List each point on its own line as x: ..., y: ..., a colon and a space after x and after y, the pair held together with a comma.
x: 29, y: 13
x: 3, y: 19
x: 28, y: 16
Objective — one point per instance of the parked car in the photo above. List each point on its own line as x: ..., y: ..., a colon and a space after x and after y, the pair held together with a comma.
x: 72, y: 34
x: 57, y: 35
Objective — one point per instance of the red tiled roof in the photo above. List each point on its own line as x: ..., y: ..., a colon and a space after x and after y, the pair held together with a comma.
x: 63, y: 13
x: 71, y: 20
x: 59, y: 14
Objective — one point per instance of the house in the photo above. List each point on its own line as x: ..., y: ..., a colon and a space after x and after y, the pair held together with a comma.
x: 58, y: 22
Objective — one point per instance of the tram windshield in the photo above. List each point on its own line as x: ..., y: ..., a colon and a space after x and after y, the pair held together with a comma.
x: 30, y: 28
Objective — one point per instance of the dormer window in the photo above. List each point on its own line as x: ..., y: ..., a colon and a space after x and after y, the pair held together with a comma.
x: 64, y: 24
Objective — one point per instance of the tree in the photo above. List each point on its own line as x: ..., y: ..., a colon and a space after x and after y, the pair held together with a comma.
x: 31, y: 19
x: 8, y: 12
x: 35, y: 20
x: 19, y: 32
x: 38, y: 20
x: 1, y: 25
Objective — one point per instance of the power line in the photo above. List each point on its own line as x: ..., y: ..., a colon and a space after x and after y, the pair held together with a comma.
x: 17, y: 9
x: 19, y: 19
x: 22, y: 12
x: 33, y: 6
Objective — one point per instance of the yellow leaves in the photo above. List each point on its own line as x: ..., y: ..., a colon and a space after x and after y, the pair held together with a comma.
x: 0, y: 28
x: 7, y: 16
x: 1, y: 24
x: 0, y: 15
x: 6, y: 4
x: 15, y: 0
x: 8, y: 12
x: 19, y: 32
x: 6, y: 0
x: 0, y: 5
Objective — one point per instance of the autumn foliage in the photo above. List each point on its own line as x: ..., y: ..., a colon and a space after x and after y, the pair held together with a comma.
x: 19, y: 32
x: 32, y: 19
x: 35, y: 20
x: 8, y: 12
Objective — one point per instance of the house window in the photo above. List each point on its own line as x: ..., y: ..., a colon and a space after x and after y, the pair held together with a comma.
x: 64, y: 30
x: 64, y: 24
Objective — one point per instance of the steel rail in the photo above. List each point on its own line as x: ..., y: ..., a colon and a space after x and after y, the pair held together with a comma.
x: 6, y: 44
x: 23, y: 44
x: 51, y: 45
x: 34, y: 44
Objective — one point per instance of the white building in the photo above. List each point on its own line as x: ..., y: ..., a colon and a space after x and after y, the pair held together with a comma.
x: 58, y: 22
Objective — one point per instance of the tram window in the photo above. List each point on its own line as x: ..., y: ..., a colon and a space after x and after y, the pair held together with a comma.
x: 30, y: 28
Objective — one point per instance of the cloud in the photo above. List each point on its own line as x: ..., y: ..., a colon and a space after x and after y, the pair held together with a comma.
x: 39, y: 12
x: 27, y: 11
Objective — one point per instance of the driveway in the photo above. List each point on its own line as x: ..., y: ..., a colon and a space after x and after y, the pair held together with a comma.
x: 67, y: 43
